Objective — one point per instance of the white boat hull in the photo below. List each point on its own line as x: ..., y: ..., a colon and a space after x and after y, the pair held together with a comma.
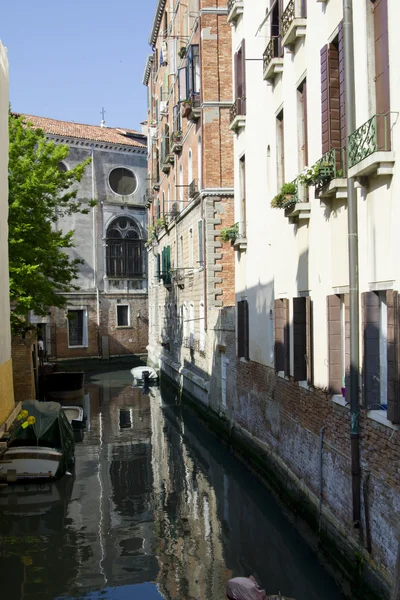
x: 30, y: 462
x: 137, y: 373
x: 73, y: 413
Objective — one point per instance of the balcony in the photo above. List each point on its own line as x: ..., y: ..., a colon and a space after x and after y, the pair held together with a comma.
x: 273, y: 63
x: 193, y: 189
x: 235, y: 10
x: 177, y: 140
x: 237, y: 116
x: 293, y: 25
x: 369, y: 148
x: 191, y: 108
x: 148, y: 197
x: 331, y: 181
x: 298, y: 208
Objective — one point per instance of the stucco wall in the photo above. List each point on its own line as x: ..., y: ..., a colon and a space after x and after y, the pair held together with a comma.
x: 6, y: 387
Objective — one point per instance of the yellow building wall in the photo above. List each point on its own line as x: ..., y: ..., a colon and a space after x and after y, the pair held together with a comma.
x: 6, y: 390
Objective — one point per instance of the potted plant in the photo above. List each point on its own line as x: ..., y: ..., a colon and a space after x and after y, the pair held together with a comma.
x: 286, y: 197
x: 229, y: 234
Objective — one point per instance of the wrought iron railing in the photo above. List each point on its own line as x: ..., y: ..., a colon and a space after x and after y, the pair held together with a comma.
x: 237, y: 108
x: 331, y: 165
x: 193, y: 189
x: 231, y: 4
x: 288, y: 17
x: 271, y: 51
x: 372, y: 136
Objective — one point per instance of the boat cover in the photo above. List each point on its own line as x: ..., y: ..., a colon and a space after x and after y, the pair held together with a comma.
x: 51, y: 429
x: 243, y: 588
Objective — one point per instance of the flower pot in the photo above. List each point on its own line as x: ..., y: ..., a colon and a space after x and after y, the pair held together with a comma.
x: 186, y: 109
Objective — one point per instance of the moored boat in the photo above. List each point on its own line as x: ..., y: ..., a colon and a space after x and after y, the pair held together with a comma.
x: 31, y: 462
x: 74, y: 415
x: 140, y: 374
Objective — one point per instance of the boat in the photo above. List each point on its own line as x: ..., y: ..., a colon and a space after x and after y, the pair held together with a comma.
x: 44, y: 450
x: 247, y: 588
x: 62, y: 386
x: 139, y: 373
x: 74, y: 415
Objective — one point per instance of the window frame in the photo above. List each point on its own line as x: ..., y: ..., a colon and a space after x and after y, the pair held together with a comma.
x: 118, y: 326
x: 84, y: 310
x: 114, y: 168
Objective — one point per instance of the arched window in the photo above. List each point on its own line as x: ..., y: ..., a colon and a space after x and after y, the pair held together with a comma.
x: 190, y: 167
x: 124, y: 248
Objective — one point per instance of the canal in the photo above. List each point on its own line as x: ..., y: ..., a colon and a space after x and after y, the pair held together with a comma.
x: 156, y: 508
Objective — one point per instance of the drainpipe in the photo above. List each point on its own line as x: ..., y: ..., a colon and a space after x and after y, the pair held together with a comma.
x: 95, y: 256
x: 353, y: 266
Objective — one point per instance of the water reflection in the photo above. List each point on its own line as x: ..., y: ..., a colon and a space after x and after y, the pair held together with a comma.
x: 157, y: 508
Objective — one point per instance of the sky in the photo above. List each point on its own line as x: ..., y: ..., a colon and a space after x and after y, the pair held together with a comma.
x: 67, y: 60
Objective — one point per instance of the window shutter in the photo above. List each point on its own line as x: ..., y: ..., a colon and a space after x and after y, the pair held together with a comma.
x: 382, y: 82
x: 324, y: 100
x: 279, y: 331
x: 299, y: 339
x: 158, y: 275
x: 330, y: 103
x: 334, y: 344
x: 342, y: 93
x: 393, y: 349
x: 182, y: 91
x: 235, y: 74
x: 243, y: 329
x: 347, y: 343
x: 200, y: 233
x: 309, y: 341
x: 371, y: 365
x: 243, y: 74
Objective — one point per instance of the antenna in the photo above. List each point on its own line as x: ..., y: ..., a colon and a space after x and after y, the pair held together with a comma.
x: 102, y: 112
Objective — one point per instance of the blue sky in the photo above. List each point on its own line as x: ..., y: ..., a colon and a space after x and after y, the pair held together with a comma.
x: 68, y: 59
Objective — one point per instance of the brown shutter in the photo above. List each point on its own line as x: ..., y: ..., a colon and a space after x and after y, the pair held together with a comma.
x: 243, y: 329
x: 342, y: 93
x: 243, y: 69
x: 279, y: 330
x: 325, y: 100
x: 330, y: 105
x: 236, y: 75
x: 371, y: 366
x: 347, y: 343
x: 334, y: 344
x: 393, y: 391
x: 299, y: 339
x: 382, y: 82
x: 286, y: 366
x: 309, y: 340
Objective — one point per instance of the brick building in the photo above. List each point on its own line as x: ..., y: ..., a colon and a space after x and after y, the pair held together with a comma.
x: 288, y: 382
x: 190, y: 195
x: 107, y: 316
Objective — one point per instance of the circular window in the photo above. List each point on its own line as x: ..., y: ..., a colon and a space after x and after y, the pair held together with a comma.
x: 122, y: 181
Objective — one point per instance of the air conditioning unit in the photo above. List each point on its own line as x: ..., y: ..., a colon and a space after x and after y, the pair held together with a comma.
x: 164, y: 107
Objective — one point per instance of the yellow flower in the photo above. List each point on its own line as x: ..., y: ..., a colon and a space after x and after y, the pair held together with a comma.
x: 31, y: 420
x: 26, y: 560
x: 23, y: 414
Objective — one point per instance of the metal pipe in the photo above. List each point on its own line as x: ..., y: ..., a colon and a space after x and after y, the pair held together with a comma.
x: 353, y: 265
x: 321, y: 448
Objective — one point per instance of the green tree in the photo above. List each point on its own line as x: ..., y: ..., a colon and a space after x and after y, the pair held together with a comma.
x: 41, y: 270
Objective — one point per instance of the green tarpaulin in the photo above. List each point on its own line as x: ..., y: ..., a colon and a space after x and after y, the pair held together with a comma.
x: 51, y: 429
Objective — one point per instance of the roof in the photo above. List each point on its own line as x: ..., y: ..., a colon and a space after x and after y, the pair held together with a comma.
x: 112, y: 135
x: 157, y: 22
x: 147, y: 69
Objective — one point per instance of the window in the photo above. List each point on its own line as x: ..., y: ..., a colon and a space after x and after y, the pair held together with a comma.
x: 202, y: 346
x: 193, y: 71
x: 242, y: 182
x: 77, y: 327
x: 191, y: 324
x: 185, y: 321
x: 302, y: 339
x: 240, y: 80
x: 199, y: 162
x: 303, y: 122
x: 281, y: 336
x: 122, y: 181
x: 122, y: 315
x: 380, y: 312
x: 191, y: 261
x: 382, y: 72
x: 166, y: 265
x: 200, y: 233
x: 124, y: 248
x: 333, y: 117
x: 190, y: 166
x: 276, y: 21
x: 338, y: 342
x: 243, y: 329
x: 181, y: 189
x: 280, y: 150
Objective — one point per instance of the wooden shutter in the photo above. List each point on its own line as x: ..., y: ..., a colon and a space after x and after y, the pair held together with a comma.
x: 243, y: 70
x: 330, y: 105
x: 309, y: 340
x: 342, y: 91
x: 243, y: 329
x: 347, y: 343
x: 334, y: 344
x: 382, y: 81
x: 279, y: 330
x: 371, y: 363
x: 393, y: 349
x: 299, y: 339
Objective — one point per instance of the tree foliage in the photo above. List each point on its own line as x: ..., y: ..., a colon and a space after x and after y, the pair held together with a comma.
x: 41, y: 270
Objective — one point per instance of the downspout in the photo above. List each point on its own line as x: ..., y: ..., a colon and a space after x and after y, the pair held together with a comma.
x: 353, y: 265
x: 95, y: 256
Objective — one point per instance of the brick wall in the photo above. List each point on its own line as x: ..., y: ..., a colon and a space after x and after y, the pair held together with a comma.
x: 23, y: 374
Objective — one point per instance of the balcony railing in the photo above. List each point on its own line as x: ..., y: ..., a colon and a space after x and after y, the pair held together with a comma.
x: 372, y: 136
x: 272, y: 59
x: 235, y: 9
x: 193, y: 189
x: 332, y: 165
x: 237, y: 109
x: 288, y: 17
x: 271, y: 51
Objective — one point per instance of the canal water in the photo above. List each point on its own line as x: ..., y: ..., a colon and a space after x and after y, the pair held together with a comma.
x: 156, y: 508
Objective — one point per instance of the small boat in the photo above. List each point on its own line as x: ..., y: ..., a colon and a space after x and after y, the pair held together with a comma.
x: 31, y: 462
x: 139, y: 374
x: 74, y: 415
x: 42, y: 450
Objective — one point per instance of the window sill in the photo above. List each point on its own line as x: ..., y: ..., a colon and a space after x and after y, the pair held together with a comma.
x: 378, y: 163
x: 72, y: 347
x: 123, y: 327
x: 301, y: 211
x: 274, y: 67
x: 338, y: 399
x: 235, y: 12
x: 282, y: 375
x: 238, y: 123
x: 242, y: 359
x: 380, y: 416
x: 296, y: 30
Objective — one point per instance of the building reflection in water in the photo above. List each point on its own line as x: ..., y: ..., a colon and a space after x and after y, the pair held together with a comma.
x: 157, y: 509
